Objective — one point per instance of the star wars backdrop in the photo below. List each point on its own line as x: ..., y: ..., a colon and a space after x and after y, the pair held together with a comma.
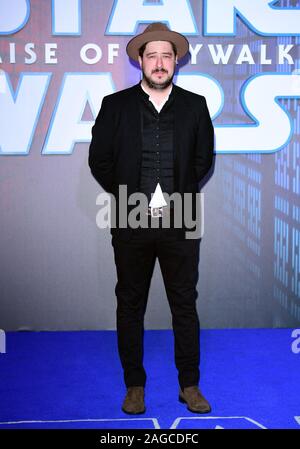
x: 57, y: 61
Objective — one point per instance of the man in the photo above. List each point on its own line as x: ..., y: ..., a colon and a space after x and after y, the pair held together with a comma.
x: 157, y: 138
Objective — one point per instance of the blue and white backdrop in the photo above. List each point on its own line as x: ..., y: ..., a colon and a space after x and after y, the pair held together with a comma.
x: 57, y: 60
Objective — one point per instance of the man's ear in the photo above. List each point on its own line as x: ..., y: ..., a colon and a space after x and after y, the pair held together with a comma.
x: 140, y: 61
x: 176, y: 59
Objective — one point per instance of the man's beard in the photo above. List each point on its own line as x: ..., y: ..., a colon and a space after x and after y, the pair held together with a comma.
x: 158, y: 86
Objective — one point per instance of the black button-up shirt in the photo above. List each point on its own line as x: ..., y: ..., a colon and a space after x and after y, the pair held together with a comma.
x: 157, y: 145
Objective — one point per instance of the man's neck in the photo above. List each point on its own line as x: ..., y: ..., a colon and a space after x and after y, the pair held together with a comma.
x: 158, y: 94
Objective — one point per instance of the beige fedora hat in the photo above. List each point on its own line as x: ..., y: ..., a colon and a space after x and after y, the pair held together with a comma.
x: 157, y: 31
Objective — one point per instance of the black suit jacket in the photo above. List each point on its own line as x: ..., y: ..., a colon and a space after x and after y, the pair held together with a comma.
x: 116, y: 150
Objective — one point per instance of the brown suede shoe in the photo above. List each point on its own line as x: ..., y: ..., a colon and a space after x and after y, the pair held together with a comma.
x: 195, y: 401
x: 134, y: 401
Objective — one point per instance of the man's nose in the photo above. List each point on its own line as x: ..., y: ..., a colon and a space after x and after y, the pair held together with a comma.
x: 159, y: 62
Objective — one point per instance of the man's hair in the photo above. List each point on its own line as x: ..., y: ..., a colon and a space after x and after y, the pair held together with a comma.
x: 142, y: 49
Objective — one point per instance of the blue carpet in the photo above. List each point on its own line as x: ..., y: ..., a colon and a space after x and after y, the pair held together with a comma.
x: 74, y: 380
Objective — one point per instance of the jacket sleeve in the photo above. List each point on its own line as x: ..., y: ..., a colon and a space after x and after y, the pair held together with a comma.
x: 204, y: 143
x: 101, y: 149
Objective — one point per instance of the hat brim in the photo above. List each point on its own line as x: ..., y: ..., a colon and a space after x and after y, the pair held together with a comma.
x: 178, y: 40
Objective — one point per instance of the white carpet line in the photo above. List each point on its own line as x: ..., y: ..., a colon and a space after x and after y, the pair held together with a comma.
x: 154, y: 420
x: 177, y: 420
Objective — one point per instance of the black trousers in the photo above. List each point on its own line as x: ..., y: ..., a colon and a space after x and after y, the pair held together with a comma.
x: 135, y: 260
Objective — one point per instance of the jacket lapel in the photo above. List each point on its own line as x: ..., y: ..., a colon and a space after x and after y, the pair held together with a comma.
x: 180, y: 115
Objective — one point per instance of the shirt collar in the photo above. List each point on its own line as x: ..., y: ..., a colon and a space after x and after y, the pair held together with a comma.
x: 146, y: 95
